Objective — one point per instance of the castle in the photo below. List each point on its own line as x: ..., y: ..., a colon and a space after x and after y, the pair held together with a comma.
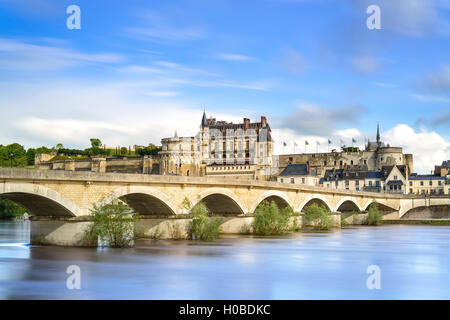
x: 242, y: 151
x: 374, y: 157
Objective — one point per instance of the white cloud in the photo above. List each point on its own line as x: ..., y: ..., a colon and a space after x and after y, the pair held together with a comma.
x: 234, y: 57
x: 157, y: 28
x: 289, y: 136
x: 19, y: 55
x: 428, y: 147
x: 428, y: 98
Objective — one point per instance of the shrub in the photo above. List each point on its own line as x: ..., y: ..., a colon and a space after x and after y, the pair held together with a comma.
x: 202, y: 226
x: 270, y: 220
x: 318, y: 217
x: 176, y: 231
x: 113, y: 223
x: 374, y: 217
x: 157, y: 233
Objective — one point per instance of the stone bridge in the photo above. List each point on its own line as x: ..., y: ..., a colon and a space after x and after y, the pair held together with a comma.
x: 66, y: 194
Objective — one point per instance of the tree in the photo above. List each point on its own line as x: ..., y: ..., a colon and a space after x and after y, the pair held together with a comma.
x: 270, y: 220
x: 318, y: 217
x: 95, y: 143
x: 10, y: 210
x: 202, y: 226
x: 113, y: 223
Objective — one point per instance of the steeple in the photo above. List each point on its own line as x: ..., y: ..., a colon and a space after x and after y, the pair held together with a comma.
x: 176, y: 134
x: 204, y: 120
x: 378, y: 133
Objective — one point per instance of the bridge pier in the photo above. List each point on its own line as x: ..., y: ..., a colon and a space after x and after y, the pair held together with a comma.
x: 67, y: 232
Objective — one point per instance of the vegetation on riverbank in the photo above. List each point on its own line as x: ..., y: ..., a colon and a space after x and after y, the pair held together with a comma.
x: 9, y: 210
x: 114, y: 224
x: 374, y: 216
x: 269, y: 219
x: 318, y: 217
x: 202, y: 226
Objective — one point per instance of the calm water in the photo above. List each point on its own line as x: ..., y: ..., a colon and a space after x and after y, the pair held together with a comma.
x: 414, y: 263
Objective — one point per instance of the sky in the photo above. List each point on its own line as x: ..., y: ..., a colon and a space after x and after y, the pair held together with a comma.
x: 137, y: 71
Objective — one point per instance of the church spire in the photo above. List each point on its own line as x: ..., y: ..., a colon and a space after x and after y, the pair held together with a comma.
x: 204, y: 120
x: 378, y: 133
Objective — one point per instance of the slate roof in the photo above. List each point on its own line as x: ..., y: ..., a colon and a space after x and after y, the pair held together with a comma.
x: 395, y: 182
x: 416, y: 176
x: 296, y: 170
x: 445, y: 164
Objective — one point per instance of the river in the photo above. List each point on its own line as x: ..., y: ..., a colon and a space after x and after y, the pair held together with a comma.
x: 414, y: 263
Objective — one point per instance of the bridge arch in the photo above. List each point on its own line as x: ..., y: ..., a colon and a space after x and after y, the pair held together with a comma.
x: 347, y: 204
x: 315, y: 198
x: 39, y: 200
x: 221, y: 201
x: 146, y: 200
x: 280, y: 198
x: 381, y: 206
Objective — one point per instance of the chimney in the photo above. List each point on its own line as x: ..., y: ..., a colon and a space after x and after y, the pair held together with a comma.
x: 246, y: 123
x: 263, y: 121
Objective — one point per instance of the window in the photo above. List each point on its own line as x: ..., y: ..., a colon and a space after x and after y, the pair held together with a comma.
x: 303, y: 180
x: 430, y: 183
x: 365, y: 161
x: 357, y: 188
x: 410, y: 183
x: 282, y: 180
x: 324, y: 163
x: 370, y: 183
x: 357, y: 182
x: 377, y: 183
x: 351, y: 162
x: 421, y: 183
x: 292, y: 180
x: 395, y: 177
x: 422, y: 191
x: 439, y: 183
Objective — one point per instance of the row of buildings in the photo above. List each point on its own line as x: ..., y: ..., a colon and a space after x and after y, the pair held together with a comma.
x: 246, y: 151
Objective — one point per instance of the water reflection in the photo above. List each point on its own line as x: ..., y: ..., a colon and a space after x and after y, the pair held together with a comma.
x: 414, y: 262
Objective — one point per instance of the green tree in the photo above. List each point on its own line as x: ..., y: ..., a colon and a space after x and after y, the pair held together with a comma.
x: 202, y: 226
x: 269, y: 219
x: 95, y: 143
x: 10, y: 210
x: 14, y: 154
x: 318, y: 217
x: 113, y: 223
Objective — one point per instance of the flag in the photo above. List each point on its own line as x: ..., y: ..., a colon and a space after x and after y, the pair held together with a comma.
x: 318, y: 143
x: 353, y: 140
x: 329, y: 141
x: 306, y: 143
x: 284, y: 144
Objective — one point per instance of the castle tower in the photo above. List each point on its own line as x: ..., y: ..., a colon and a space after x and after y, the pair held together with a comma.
x: 378, y: 134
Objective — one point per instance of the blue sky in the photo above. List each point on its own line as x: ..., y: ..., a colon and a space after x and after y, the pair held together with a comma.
x: 137, y: 71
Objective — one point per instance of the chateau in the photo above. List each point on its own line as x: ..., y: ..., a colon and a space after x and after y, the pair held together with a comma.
x: 221, y: 148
